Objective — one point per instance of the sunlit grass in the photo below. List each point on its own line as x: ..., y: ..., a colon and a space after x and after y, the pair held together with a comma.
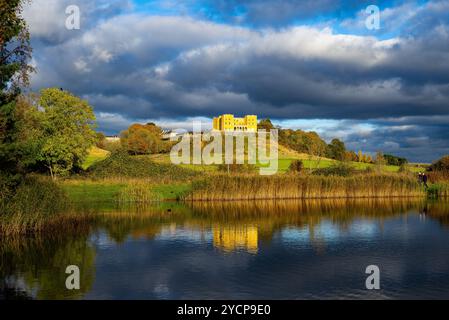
x: 95, y: 155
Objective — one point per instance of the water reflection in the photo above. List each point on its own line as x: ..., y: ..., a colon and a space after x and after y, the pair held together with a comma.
x: 231, y: 238
x: 237, y: 250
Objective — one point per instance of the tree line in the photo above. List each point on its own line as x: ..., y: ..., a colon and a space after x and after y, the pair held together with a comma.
x: 311, y: 143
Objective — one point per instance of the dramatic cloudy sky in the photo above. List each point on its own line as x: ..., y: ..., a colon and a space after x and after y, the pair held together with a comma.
x: 306, y: 64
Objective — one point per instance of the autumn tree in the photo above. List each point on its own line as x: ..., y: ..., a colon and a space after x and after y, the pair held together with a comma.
x: 143, y: 139
x: 351, y: 156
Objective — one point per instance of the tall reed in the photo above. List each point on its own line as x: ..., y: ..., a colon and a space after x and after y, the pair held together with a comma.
x: 38, y: 204
x: 251, y: 187
x: 137, y: 192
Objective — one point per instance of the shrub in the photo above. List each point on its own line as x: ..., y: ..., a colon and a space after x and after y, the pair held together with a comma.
x: 121, y: 164
x: 237, y: 168
x: 340, y: 169
x: 296, y: 166
x: 112, y: 146
x: 438, y: 190
x: 440, y: 165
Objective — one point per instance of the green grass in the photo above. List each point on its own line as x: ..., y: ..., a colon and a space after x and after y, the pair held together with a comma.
x: 284, y: 163
x: 89, y: 191
x: 95, y: 155
x: 287, y: 156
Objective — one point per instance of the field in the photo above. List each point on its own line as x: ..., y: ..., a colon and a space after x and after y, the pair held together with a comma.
x: 285, y: 160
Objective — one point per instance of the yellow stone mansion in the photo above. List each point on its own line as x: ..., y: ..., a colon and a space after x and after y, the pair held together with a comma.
x: 227, y: 122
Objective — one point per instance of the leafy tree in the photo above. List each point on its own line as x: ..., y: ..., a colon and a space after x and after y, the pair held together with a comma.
x: 67, y: 124
x: 15, y: 52
x: 301, y: 141
x: 336, y: 150
x: 143, y: 139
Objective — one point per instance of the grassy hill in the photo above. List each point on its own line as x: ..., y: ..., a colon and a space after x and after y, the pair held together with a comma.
x: 286, y: 156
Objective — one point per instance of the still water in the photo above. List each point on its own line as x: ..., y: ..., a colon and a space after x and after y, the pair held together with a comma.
x: 239, y: 250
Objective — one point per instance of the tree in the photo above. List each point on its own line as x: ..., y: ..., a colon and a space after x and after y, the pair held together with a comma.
x: 142, y: 139
x: 67, y: 124
x: 351, y: 156
x: 15, y: 52
x: 265, y: 124
x: 395, y: 161
x: 360, y: 156
x: 440, y: 165
x: 336, y: 150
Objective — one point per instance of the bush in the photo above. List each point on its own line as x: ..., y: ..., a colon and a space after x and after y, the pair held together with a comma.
x: 438, y: 190
x: 112, y: 146
x: 8, y: 183
x: 237, y: 168
x: 121, y: 164
x: 296, y: 166
x: 340, y: 169
x: 440, y: 165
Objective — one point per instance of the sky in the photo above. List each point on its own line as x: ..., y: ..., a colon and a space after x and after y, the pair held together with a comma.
x: 310, y: 65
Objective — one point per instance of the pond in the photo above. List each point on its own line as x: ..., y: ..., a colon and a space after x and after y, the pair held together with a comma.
x: 289, y: 249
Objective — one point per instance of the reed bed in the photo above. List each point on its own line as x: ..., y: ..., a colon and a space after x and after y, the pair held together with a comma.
x: 253, y: 187
x: 138, y: 192
x: 38, y: 205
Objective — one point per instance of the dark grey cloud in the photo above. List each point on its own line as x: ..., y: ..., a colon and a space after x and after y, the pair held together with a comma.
x: 138, y: 66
